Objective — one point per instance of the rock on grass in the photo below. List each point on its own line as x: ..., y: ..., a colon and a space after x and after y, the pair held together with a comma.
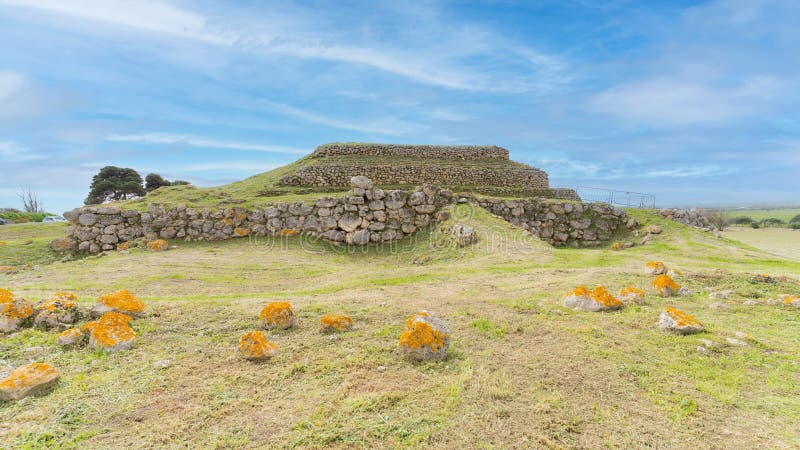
x: 679, y: 322
x: 31, y: 379
x: 424, y: 337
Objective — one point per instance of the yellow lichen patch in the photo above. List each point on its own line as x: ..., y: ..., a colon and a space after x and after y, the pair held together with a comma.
x: 792, y: 300
x: 124, y: 246
x: 6, y: 296
x: 580, y: 291
x: 410, y: 320
x: 288, y: 232
x: 656, y: 267
x: 601, y: 295
x: 8, y: 269
x: 663, y: 281
x: 277, y: 314
x: 631, y: 292
x: 254, y: 345
x: 617, y: 246
x: 682, y: 319
x: 420, y: 334
x: 72, y: 333
x: 157, y: 245
x: 336, y: 322
x: 60, y: 301
x: 122, y: 301
x: 16, y: 309
x: 241, y: 232
x: 24, y: 380
x: 110, y: 331
x: 2, y: 243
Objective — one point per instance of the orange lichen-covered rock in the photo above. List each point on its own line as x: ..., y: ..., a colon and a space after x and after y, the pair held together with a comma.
x: 70, y: 337
x: 335, y: 322
x: 119, y: 301
x: 111, y: 332
x: 255, y: 346
x: 277, y: 315
x: 631, y: 294
x: 598, y: 299
x: 655, y: 268
x: 424, y: 337
x: 241, y: 232
x: 60, y: 311
x: 30, y: 379
x: 157, y: 245
x: 679, y: 322
x: 792, y: 300
x: 665, y: 285
x: 14, y: 312
x: 288, y: 232
x: 617, y: 246
x: 8, y: 269
x: 124, y: 246
x: 2, y: 243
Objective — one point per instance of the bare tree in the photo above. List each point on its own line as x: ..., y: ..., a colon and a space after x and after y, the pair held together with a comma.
x: 718, y: 219
x: 30, y: 200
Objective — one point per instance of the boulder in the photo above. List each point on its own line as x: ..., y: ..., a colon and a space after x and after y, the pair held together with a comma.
x: 15, y: 313
x: 653, y: 229
x: 359, y: 237
x: 360, y: 182
x: 254, y: 346
x: 331, y: 323
x: 60, y: 245
x: 277, y: 315
x: 631, y: 294
x: 790, y: 300
x: 424, y: 337
x: 665, y: 286
x: 110, y: 332
x: 60, y: 311
x: 679, y: 322
x: 70, y: 338
x: 349, y: 222
x: 463, y: 235
x: 655, y: 268
x: 120, y: 301
x: 159, y: 244
x: 598, y: 299
x: 30, y: 379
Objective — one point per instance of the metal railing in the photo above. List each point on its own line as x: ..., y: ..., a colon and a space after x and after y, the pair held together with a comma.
x: 613, y: 197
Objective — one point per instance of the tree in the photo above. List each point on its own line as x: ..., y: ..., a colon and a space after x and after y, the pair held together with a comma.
x: 154, y: 181
x: 30, y: 200
x: 718, y: 219
x: 114, y: 183
x: 180, y: 183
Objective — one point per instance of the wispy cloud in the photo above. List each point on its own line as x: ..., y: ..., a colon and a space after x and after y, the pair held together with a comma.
x: 388, y: 126
x: 243, y: 166
x: 13, y: 152
x: 194, y: 141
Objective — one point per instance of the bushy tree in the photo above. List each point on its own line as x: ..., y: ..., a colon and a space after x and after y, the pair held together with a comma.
x: 154, y: 181
x: 717, y: 219
x: 114, y: 183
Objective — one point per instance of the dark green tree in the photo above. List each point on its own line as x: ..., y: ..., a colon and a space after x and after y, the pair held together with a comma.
x: 114, y: 183
x: 154, y: 181
x: 180, y: 183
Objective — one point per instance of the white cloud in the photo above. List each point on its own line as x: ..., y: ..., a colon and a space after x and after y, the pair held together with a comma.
x: 388, y: 126
x: 194, y: 141
x: 14, y: 152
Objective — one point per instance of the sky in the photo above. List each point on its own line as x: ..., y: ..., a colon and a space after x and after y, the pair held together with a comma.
x: 696, y: 102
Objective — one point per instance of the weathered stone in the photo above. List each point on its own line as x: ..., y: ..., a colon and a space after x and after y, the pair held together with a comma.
x: 332, y: 323
x: 424, y: 337
x: 360, y: 237
x: 463, y: 235
x: 678, y: 322
x: 277, y: 315
x: 599, y: 299
x: 361, y: 182
x: 254, y: 346
x: 70, y: 338
x: 31, y: 379
x: 349, y: 223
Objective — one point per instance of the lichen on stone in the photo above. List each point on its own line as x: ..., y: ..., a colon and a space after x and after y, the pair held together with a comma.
x: 70, y: 337
x: 792, y: 300
x: 672, y: 319
x: 111, y: 332
x: 124, y: 246
x: 255, y: 346
x: 6, y: 296
x: 665, y: 285
x: 277, y: 315
x: 157, y: 245
x: 286, y: 232
x: 30, y: 379
x: 241, y: 232
x: 631, y: 294
x: 120, y: 301
x: 655, y: 268
x: 598, y: 299
x: 335, y: 322
x: 424, y: 337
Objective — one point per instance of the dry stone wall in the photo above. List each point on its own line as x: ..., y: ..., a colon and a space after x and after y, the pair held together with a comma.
x: 455, y: 152
x: 559, y: 223
x: 366, y: 215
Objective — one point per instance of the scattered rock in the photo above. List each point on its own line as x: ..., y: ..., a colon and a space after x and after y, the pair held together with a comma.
x: 721, y: 294
x: 464, y: 234
x: 70, y: 338
x: 121, y: 301
x: 665, y: 286
x: 763, y: 278
x: 421, y: 260
x: 707, y: 342
x: 599, y: 299
x: 361, y: 182
x: 254, y: 346
x: 424, y: 337
x: 719, y: 306
x: 653, y: 229
x: 60, y: 311
x: 31, y: 379
x: 60, y: 245
x: 111, y: 332
x: 277, y: 315
x: 740, y: 335
x: 334, y: 322
x: 631, y: 294
x: 792, y: 301
x: 162, y: 364
x: 684, y: 291
x: 158, y: 245
x: 734, y: 341
x: 15, y: 313
x: 655, y: 268
x: 703, y: 350
x: 679, y: 322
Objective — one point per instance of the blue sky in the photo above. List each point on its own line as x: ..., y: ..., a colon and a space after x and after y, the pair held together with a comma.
x: 695, y: 102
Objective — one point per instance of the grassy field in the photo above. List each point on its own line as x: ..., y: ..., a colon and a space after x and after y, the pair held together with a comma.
x: 522, y: 371
x: 784, y: 214
x: 779, y: 241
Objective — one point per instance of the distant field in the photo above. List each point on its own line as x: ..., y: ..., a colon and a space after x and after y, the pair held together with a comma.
x: 784, y: 214
x: 780, y: 241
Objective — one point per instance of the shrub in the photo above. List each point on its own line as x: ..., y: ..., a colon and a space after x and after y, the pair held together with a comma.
x: 771, y: 222
x: 717, y: 219
x: 755, y: 225
x: 742, y: 220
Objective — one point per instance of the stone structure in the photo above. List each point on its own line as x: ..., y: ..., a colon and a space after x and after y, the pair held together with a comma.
x: 487, y: 167
x: 365, y: 215
x: 692, y: 217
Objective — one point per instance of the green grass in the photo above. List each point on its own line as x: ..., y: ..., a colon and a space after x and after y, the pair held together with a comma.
x: 522, y: 371
x: 784, y: 214
x: 29, y: 244
x: 23, y: 217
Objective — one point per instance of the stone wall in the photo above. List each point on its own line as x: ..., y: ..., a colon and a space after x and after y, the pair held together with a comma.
x: 559, y: 222
x: 456, y: 152
x: 366, y: 215
x: 691, y: 217
x: 338, y: 175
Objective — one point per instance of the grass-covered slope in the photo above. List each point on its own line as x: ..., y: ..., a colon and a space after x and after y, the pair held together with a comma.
x: 522, y: 371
